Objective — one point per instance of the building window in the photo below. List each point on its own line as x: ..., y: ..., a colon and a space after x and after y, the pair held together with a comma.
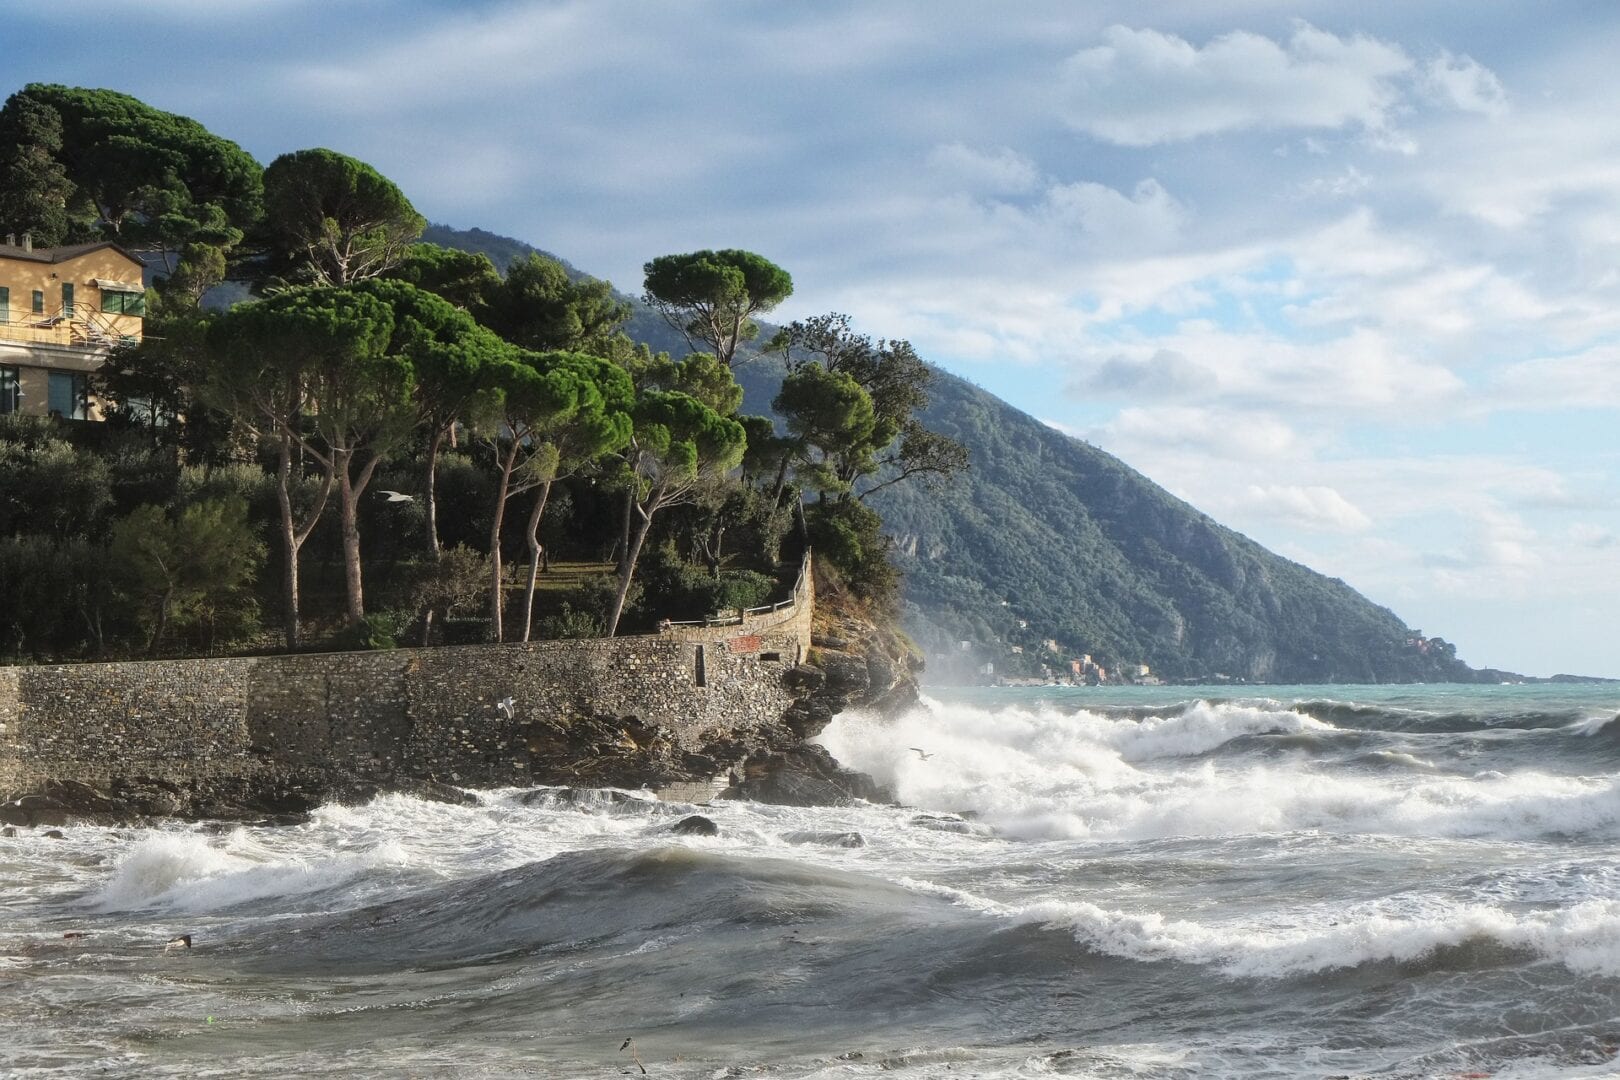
x: 5, y: 304
x: 67, y: 299
x: 69, y: 395
x: 39, y: 301
x: 123, y: 303
x: 10, y: 390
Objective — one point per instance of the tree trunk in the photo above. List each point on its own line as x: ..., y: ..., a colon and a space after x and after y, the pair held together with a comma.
x: 632, y: 553
x: 349, y: 509
x: 430, y: 497
x: 162, y: 623
x: 623, y: 547
x: 496, y: 598
x: 533, y: 537
x: 290, y: 543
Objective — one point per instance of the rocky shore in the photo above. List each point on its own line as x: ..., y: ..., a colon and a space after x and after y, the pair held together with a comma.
x: 854, y: 662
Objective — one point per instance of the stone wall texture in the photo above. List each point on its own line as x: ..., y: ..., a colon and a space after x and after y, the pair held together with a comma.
x: 432, y: 714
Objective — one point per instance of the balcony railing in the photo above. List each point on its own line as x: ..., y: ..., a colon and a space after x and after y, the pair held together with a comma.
x: 83, y: 328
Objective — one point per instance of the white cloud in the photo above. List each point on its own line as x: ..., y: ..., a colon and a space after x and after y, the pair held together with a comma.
x: 1001, y: 172
x: 1313, y: 507
x: 1208, y: 433
x: 1586, y: 380
x: 1163, y: 374
x: 1144, y: 87
x: 1463, y: 83
x: 1352, y: 181
x: 1146, y: 219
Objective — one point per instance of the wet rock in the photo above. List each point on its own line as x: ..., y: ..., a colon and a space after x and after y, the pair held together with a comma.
x: 55, y: 834
x: 9, y: 830
x: 826, y: 839
x: 803, y: 776
x: 587, y: 799
x: 950, y: 824
x: 696, y: 825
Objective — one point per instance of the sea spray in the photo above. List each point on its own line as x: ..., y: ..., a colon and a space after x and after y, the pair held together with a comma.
x: 1049, y: 773
x: 1141, y: 882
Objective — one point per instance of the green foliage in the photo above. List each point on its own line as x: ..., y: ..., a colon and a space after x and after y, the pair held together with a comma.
x: 852, y: 403
x: 48, y: 485
x: 200, y: 268
x: 371, y: 633
x: 679, y: 439
x: 700, y: 376
x: 566, y: 622
x: 539, y: 306
x: 331, y: 219
x: 848, y: 535
x: 192, y: 571
x: 36, y: 195
x: 319, y: 350
x: 673, y: 588
x: 147, y: 176
x: 711, y: 297
x: 582, y: 611
x: 464, y: 278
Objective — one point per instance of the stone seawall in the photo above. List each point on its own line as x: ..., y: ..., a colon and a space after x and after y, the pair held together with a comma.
x: 679, y: 705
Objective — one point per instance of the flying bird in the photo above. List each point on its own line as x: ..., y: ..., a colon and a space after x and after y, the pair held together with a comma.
x: 181, y: 942
x: 397, y: 496
x: 920, y: 752
x: 505, y: 706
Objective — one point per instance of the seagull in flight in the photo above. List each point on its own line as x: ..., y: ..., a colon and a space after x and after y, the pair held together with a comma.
x: 505, y: 706
x: 397, y: 496
x: 920, y: 752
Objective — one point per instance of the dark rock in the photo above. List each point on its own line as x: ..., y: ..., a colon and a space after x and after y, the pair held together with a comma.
x: 696, y: 825
x: 827, y: 839
x: 9, y: 830
x: 701, y: 765
x: 808, y: 717
x: 829, y: 641
x: 433, y: 791
x: 847, y: 674
x: 950, y: 824
x: 803, y: 776
x: 587, y: 799
x: 804, y: 677
x: 55, y: 834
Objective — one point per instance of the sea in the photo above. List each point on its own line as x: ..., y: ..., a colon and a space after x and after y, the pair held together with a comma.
x: 1392, y: 881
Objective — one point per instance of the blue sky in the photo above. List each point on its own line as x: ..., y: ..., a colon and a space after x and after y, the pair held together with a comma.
x: 1344, y: 276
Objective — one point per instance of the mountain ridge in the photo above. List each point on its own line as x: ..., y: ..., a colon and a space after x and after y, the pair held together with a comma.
x: 1114, y: 576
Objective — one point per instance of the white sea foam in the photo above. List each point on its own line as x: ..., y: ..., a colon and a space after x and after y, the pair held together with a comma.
x: 1584, y: 937
x: 1043, y: 773
x: 190, y: 872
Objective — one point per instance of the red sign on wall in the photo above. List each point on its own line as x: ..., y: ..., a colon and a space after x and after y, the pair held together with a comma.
x: 744, y: 643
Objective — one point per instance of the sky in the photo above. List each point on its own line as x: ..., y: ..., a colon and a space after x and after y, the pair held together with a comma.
x: 1344, y: 276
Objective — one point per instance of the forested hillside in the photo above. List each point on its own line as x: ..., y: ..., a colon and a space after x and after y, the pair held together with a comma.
x: 1046, y: 539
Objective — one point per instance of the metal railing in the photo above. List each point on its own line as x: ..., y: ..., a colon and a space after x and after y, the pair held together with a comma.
x: 80, y: 328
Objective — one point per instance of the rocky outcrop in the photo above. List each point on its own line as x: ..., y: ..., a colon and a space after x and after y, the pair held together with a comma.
x: 270, y: 738
x: 858, y: 660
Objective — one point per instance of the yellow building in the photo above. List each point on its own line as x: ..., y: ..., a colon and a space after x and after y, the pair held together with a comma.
x: 61, y: 310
